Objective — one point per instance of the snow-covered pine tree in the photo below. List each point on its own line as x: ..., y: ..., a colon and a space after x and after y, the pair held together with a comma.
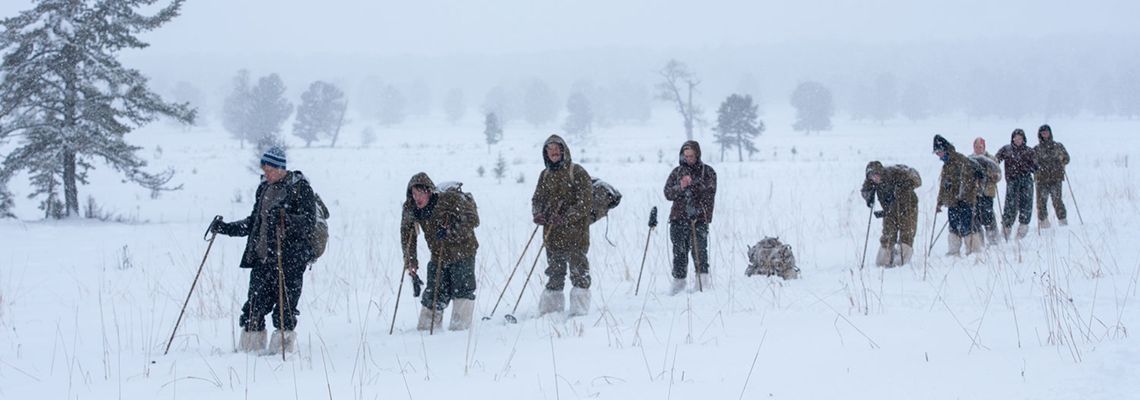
x: 65, y: 94
x: 579, y: 117
x: 320, y: 114
x: 492, y: 129
x: 737, y: 125
x: 267, y: 112
x: 814, y: 107
x: 235, y: 109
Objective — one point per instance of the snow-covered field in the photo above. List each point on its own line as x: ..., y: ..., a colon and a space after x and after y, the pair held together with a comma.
x: 86, y: 307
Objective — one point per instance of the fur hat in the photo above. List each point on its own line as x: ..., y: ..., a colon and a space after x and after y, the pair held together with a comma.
x: 274, y: 157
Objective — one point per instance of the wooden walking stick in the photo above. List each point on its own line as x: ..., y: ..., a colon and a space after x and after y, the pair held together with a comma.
x: 1074, y: 196
x: 511, y: 317
x: 644, y: 253
x: 404, y: 272
x: 217, y: 219
x: 930, y: 246
x: 867, y: 238
x: 281, y: 283
x: 512, y: 275
x: 696, y: 255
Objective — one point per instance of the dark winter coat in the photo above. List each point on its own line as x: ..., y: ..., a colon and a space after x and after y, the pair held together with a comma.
x: 299, y: 206
x: 1019, y: 160
x: 699, y: 198
x: 895, y: 188
x: 1051, y: 158
x: 448, y: 222
x: 958, y: 182
x: 564, y: 194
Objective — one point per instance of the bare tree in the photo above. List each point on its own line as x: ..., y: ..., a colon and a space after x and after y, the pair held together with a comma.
x: 677, y: 86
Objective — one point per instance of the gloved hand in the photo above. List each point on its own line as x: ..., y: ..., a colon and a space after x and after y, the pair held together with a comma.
x: 878, y: 214
x: 410, y: 268
x: 216, y: 225
x: 871, y: 202
x: 540, y: 219
x: 440, y: 233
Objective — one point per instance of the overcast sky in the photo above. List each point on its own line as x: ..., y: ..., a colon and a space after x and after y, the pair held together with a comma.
x: 444, y: 27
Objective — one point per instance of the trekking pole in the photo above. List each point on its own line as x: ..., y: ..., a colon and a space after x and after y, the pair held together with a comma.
x: 696, y: 256
x: 867, y: 238
x: 217, y: 218
x: 1074, y: 196
x: 652, y: 225
x: 930, y: 245
x: 512, y: 275
x: 281, y: 283
x: 511, y: 317
x: 403, y: 273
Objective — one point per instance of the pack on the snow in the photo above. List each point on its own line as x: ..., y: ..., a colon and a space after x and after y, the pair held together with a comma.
x: 771, y: 257
x: 605, y: 198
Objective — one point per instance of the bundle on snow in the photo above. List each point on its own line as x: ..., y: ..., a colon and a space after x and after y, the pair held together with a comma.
x: 771, y: 257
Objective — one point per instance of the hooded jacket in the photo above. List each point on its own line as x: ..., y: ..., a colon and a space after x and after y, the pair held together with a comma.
x: 958, y: 182
x: 1019, y: 160
x: 299, y: 205
x: 1051, y: 157
x: 564, y: 194
x: 448, y: 222
x: 895, y: 189
x: 695, y: 202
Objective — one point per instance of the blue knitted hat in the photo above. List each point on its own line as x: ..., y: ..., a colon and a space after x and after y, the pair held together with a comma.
x: 274, y: 157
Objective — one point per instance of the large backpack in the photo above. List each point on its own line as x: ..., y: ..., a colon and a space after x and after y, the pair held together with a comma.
x: 912, y: 174
x: 986, y: 171
x: 457, y: 187
x: 319, y: 237
x: 605, y: 198
x: 770, y: 257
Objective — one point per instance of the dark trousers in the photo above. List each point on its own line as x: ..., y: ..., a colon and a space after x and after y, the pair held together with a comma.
x: 961, y: 219
x: 681, y: 232
x: 263, y: 297
x: 1050, y: 191
x: 558, y: 262
x: 1018, y: 201
x: 984, y: 212
x: 456, y: 281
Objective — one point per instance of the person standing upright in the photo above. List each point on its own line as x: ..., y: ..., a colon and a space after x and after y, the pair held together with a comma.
x: 1051, y: 158
x: 562, y: 204
x: 1019, y: 168
x: 692, y: 189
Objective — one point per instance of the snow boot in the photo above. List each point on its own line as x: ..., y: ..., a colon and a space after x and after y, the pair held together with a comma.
x: 905, y: 253
x: 461, y: 311
x: 551, y: 301
x: 1043, y: 223
x: 252, y: 342
x: 973, y: 243
x: 992, y: 237
x: 426, y: 322
x: 883, y: 259
x: 1062, y: 222
x: 1022, y: 230
x: 579, y: 302
x: 286, y: 336
x: 954, y: 245
x: 704, y: 284
x: 678, y: 286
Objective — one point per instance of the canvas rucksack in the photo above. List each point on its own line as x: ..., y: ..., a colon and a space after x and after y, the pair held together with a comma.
x: 605, y: 198
x: 770, y: 257
x: 319, y: 237
x: 457, y: 187
x: 912, y: 174
x: 986, y: 171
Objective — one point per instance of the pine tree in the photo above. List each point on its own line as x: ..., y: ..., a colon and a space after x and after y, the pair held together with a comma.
x: 579, y: 117
x: 268, y: 110
x: 814, y: 107
x: 235, y: 108
x: 737, y: 125
x: 320, y: 114
x: 500, y: 169
x: 64, y: 92
x: 492, y: 130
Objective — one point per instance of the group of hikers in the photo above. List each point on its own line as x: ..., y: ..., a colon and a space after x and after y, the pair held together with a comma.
x: 967, y: 188
x: 286, y: 209
x: 279, y: 245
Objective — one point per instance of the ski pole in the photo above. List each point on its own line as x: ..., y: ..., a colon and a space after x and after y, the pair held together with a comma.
x: 652, y: 225
x: 696, y: 256
x: 930, y: 245
x: 217, y: 218
x: 400, y: 290
x: 281, y: 283
x: 1074, y: 196
x: 512, y: 275
x: 867, y: 237
x: 511, y: 317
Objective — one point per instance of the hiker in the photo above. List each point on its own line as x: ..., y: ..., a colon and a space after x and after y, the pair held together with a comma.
x: 1019, y: 167
x: 692, y: 189
x: 562, y: 205
x: 448, y: 219
x: 894, y: 187
x: 984, y: 211
x: 958, y: 192
x: 1051, y: 158
x: 282, y: 219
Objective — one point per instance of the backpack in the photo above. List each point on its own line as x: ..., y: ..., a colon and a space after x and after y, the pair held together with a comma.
x: 986, y: 171
x: 605, y: 198
x: 319, y: 237
x: 457, y: 187
x: 912, y: 174
x: 770, y: 257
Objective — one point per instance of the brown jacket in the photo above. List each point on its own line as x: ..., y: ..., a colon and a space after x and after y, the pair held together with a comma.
x: 958, y: 183
x: 448, y: 223
x: 895, y: 189
x: 700, y: 195
x: 563, y: 194
x: 993, y: 174
x: 1051, y: 158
